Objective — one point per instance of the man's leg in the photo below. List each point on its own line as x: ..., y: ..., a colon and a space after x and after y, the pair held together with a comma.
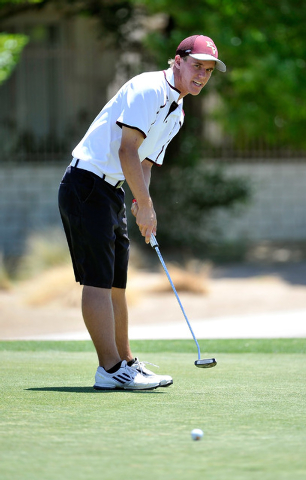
x: 98, y: 314
x: 99, y: 319
x: 121, y: 323
x: 122, y: 338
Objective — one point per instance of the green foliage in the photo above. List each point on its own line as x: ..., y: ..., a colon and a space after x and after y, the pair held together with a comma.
x: 18, y: 2
x: 11, y: 46
x: 113, y: 16
x: 263, y: 94
x: 262, y: 45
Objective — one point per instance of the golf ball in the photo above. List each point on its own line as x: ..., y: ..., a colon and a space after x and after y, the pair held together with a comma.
x: 196, y: 434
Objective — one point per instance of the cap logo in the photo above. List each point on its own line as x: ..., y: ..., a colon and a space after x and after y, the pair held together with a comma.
x: 212, y: 46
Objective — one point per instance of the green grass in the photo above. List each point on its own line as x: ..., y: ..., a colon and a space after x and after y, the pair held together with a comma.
x: 282, y: 345
x: 251, y: 408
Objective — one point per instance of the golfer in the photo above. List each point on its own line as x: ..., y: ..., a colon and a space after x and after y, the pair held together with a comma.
x: 126, y: 139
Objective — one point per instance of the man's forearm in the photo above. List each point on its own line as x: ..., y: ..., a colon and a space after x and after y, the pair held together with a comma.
x: 146, y: 168
x: 138, y: 180
x: 137, y: 177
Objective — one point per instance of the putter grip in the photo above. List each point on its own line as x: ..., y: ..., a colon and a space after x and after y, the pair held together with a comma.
x: 153, y: 241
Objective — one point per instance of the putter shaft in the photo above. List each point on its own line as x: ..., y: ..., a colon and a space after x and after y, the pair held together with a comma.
x: 154, y: 244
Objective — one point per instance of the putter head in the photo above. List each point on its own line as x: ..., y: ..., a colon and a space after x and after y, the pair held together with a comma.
x: 206, y: 363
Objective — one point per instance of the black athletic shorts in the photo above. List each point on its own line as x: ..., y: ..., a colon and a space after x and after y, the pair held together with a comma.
x: 94, y: 219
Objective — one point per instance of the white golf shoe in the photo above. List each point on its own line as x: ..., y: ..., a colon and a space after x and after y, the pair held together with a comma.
x: 164, y: 380
x: 126, y: 378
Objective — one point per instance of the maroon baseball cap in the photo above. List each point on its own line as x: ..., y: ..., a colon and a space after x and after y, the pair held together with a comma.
x: 201, y: 48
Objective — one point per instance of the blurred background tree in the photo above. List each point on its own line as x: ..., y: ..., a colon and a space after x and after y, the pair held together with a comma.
x: 11, y: 46
x: 262, y: 44
x: 259, y: 101
x: 262, y: 95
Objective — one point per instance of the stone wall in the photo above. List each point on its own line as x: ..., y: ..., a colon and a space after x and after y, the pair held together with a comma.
x: 28, y: 203
x: 277, y: 209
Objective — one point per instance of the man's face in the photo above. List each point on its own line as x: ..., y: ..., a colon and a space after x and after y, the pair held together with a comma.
x: 193, y: 74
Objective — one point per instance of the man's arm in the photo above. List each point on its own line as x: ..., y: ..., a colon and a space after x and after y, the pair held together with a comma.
x: 146, y: 168
x: 138, y: 179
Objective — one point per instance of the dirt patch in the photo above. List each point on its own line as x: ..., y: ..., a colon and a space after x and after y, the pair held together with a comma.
x: 50, y: 303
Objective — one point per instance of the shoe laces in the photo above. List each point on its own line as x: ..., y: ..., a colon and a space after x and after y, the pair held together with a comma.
x: 130, y: 371
x: 142, y: 365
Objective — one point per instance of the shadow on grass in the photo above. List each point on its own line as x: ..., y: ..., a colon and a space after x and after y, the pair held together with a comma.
x: 86, y: 390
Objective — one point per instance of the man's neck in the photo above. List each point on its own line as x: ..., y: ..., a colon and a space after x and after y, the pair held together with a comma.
x: 176, y: 75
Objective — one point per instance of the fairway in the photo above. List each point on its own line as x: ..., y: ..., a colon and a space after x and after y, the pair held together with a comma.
x: 251, y: 407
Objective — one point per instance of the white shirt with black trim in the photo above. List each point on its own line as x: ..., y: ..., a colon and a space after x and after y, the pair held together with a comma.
x: 149, y: 103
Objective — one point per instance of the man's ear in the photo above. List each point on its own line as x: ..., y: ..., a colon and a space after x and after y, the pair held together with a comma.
x: 178, y: 60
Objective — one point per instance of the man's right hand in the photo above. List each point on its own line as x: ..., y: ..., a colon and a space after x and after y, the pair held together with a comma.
x: 145, y: 219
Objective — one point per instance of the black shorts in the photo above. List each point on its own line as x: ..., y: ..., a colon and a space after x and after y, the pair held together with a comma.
x: 94, y: 219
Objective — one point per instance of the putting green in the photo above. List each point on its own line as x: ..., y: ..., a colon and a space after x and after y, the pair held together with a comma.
x: 251, y: 407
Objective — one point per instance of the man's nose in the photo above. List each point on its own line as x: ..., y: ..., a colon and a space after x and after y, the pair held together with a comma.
x: 203, y: 72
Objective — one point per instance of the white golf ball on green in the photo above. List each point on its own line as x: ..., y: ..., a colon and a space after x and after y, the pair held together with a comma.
x: 196, y: 434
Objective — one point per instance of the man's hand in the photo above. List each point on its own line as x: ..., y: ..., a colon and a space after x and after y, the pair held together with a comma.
x: 145, y: 219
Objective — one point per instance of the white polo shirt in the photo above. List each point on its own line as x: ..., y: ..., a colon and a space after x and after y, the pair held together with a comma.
x: 145, y: 103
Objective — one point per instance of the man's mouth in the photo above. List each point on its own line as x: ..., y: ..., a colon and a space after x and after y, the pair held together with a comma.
x: 198, y: 84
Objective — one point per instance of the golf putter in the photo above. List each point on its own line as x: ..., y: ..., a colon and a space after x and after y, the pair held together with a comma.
x: 201, y: 363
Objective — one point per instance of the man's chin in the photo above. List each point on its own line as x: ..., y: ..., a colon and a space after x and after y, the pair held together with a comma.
x: 194, y: 94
